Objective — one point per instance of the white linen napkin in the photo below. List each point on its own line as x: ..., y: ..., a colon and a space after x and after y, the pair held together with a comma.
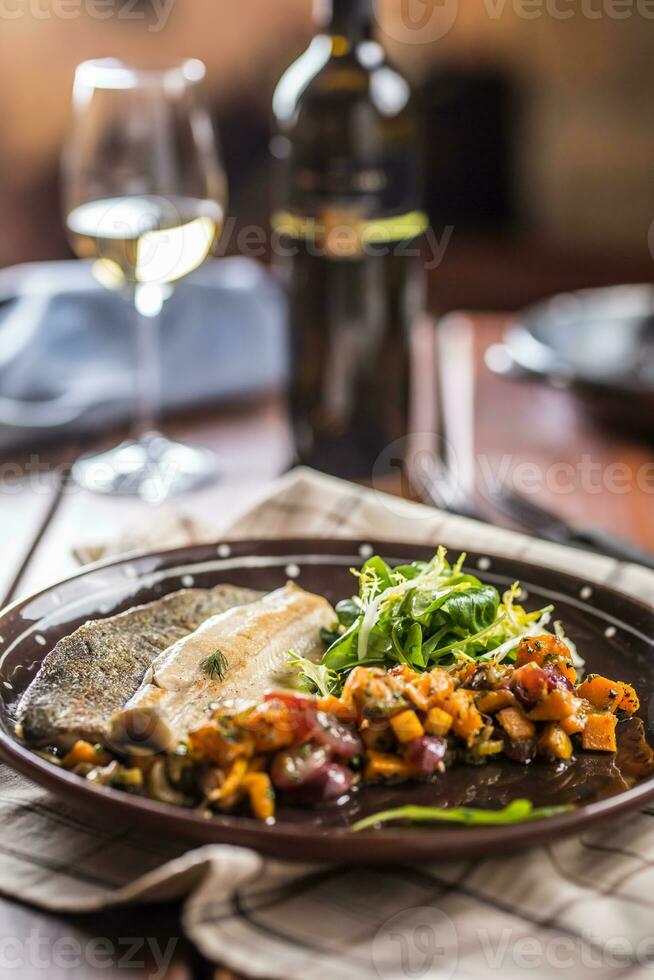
x: 582, y: 905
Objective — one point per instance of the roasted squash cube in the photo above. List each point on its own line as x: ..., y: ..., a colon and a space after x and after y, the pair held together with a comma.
x: 407, y: 726
x: 556, y: 705
x: 554, y: 742
x: 428, y: 688
x: 599, y: 733
x: 573, y: 724
x: 491, y: 701
x: 516, y: 724
x: 544, y: 650
x: 381, y: 766
x: 466, y: 720
x: 629, y: 703
x: 438, y: 722
x: 602, y: 692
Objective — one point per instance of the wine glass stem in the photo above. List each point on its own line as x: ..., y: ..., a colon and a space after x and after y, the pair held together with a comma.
x: 146, y: 312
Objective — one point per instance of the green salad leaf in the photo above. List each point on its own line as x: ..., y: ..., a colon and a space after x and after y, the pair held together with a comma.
x: 424, y: 614
x: 518, y: 811
x: 314, y: 678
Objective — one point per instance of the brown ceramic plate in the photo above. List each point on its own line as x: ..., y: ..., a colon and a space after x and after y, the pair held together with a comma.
x: 613, y: 632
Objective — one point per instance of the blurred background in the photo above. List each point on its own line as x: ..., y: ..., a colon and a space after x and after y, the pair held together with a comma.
x: 539, y: 166
x: 540, y: 124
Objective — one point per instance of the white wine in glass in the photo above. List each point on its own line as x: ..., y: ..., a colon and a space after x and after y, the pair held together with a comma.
x: 145, y: 196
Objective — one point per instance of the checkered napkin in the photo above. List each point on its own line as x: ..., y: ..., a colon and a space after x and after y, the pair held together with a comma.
x: 583, y: 906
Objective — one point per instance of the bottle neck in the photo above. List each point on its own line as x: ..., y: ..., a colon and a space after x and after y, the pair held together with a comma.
x: 351, y: 19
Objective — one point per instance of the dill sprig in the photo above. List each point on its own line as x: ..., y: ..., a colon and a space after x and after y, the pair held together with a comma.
x: 215, y: 666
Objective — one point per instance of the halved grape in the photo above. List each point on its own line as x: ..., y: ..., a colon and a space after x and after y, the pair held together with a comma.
x: 425, y: 753
x: 333, y: 782
x: 520, y: 750
x: 328, y: 731
x: 298, y: 766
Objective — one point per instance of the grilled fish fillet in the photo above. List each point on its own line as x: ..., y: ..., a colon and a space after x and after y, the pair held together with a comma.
x: 254, y: 641
x: 92, y: 673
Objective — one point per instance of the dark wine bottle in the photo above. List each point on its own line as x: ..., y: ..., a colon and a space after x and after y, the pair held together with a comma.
x: 348, y: 231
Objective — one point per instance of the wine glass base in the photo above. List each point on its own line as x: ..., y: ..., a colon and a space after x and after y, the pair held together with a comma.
x: 152, y: 467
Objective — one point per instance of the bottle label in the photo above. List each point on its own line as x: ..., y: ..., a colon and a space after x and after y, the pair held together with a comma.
x: 344, y: 233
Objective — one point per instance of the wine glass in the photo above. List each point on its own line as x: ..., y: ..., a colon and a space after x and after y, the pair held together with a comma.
x: 144, y: 195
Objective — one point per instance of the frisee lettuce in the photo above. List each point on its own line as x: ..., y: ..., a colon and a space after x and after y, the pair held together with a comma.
x: 314, y: 678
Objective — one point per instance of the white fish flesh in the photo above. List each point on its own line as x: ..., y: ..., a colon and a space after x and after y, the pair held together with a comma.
x: 252, y: 642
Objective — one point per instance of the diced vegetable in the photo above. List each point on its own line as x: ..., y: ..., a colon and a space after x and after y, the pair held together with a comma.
x: 554, y: 742
x: 574, y: 724
x: 630, y: 702
x: 602, y: 693
x: 466, y: 720
x: 427, y: 688
x: 407, y: 726
x: 340, y: 708
x: 553, y: 707
x: 492, y: 747
x: 220, y: 743
x: 599, y: 733
x: 492, y: 701
x: 278, y: 724
x: 608, y: 695
x: 376, y: 733
x: 381, y: 766
x: 544, y: 650
x: 335, y: 781
x: 516, y: 724
x: 233, y: 780
x: 261, y: 794
x: 376, y: 692
x: 82, y: 752
x: 438, y: 722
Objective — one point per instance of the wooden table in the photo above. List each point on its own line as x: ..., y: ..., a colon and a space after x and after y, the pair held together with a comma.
x: 42, y: 517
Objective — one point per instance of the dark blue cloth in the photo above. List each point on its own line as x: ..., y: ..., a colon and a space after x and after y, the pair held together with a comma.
x: 67, y: 346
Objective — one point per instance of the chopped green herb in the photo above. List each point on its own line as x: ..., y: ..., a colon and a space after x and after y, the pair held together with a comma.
x: 518, y: 811
x: 215, y: 666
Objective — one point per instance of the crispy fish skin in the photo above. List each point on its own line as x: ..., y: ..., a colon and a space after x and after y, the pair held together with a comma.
x: 92, y: 673
x: 254, y: 641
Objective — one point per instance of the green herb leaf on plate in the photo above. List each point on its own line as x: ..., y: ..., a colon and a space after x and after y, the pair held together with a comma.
x: 518, y: 811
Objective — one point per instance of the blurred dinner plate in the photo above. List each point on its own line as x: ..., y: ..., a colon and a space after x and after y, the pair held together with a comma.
x: 613, y: 631
x: 599, y: 342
